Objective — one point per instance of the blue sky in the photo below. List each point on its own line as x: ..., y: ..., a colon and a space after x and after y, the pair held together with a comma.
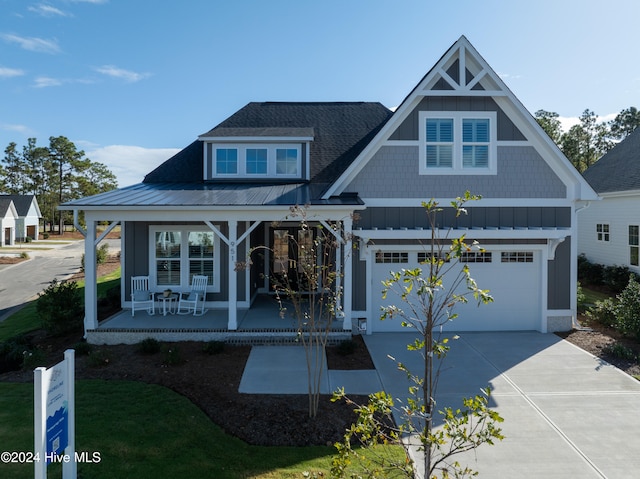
x: 132, y: 81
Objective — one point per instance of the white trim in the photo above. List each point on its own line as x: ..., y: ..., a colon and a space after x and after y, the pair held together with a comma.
x: 577, y: 187
x: 457, y: 167
x: 470, y: 233
x: 255, y: 139
x: 184, y: 231
x: 620, y: 194
x: 485, y: 202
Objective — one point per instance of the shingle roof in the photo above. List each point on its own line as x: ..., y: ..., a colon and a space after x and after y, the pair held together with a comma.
x: 619, y: 169
x: 21, y: 202
x: 340, y: 131
x: 5, y: 204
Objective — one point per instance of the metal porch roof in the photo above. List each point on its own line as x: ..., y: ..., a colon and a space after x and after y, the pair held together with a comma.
x: 154, y: 195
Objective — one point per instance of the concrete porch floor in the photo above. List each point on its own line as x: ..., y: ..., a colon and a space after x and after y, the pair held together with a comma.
x: 261, y: 323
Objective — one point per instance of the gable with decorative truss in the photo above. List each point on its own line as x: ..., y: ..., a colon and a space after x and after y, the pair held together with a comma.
x: 461, y: 129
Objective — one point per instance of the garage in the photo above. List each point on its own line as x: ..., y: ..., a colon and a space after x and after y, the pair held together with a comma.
x: 514, y: 278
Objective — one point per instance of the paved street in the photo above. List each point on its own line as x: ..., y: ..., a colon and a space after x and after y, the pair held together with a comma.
x: 22, y: 282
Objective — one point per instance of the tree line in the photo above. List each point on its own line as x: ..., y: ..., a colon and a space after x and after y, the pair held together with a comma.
x: 585, y: 143
x: 54, y: 174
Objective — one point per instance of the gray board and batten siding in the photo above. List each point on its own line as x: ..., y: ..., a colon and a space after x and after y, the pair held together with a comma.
x: 409, y: 128
x: 136, y: 240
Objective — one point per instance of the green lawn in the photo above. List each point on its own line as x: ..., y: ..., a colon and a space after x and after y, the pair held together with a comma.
x: 143, y: 430
x: 148, y: 431
x: 591, y: 296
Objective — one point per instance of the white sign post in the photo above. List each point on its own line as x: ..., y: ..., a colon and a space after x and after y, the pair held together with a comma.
x: 54, y: 417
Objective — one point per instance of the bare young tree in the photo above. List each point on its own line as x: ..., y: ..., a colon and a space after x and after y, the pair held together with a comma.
x: 308, y: 287
x: 428, y: 295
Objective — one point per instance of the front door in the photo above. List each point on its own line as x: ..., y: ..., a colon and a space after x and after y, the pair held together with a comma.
x: 292, y: 258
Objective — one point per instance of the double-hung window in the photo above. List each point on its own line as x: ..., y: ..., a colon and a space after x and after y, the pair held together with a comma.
x: 633, y: 245
x: 457, y: 143
x: 177, y: 253
x: 439, y: 142
x: 602, y: 232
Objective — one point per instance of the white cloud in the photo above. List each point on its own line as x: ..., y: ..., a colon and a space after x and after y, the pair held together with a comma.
x: 95, y: 2
x: 22, y: 129
x: 567, y: 122
x: 45, y: 10
x: 506, y: 76
x: 43, y: 82
x: 130, y: 163
x: 10, y: 72
x: 33, y: 44
x: 126, y: 75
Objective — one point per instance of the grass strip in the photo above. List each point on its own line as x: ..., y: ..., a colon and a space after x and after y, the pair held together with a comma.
x: 148, y: 431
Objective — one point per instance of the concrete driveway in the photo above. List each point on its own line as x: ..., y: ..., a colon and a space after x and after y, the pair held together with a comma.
x: 566, y: 413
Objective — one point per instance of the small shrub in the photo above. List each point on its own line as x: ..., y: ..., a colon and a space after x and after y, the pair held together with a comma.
x: 101, y: 255
x: 33, y: 358
x: 82, y: 348
x: 616, y: 278
x: 60, y: 307
x: 620, y: 351
x: 11, y: 353
x: 45, y: 235
x: 346, y: 347
x: 24, y: 255
x: 628, y: 310
x: 172, y: 356
x: 604, y: 312
x: 149, y: 346
x: 588, y: 272
x: 98, y: 358
x: 213, y: 347
x: 580, y: 297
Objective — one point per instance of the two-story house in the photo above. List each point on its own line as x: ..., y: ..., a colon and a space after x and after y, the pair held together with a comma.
x: 459, y: 129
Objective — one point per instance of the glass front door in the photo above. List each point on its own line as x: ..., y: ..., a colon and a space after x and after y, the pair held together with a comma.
x: 293, y: 258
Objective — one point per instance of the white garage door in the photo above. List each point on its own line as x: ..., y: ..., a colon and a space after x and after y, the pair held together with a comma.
x: 513, y: 278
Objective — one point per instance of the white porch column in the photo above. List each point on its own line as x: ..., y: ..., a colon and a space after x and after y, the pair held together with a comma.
x: 91, y: 279
x: 347, y: 251
x: 233, y: 276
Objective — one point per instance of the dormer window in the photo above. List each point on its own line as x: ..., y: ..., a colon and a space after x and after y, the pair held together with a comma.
x: 260, y: 161
x: 257, y: 153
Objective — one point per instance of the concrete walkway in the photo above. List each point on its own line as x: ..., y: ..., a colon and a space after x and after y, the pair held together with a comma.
x: 567, y: 413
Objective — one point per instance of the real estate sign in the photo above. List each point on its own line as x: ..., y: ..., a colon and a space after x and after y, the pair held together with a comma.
x: 54, y: 418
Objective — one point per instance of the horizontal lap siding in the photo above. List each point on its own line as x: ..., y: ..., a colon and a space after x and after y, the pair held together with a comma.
x: 618, y: 213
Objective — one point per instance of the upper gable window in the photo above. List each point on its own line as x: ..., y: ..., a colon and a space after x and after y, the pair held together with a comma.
x: 255, y: 161
x: 458, y: 143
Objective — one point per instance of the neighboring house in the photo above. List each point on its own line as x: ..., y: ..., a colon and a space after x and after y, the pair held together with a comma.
x: 8, y: 218
x: 28, y: 222
x: 459, y: 129
x: 608, y: 229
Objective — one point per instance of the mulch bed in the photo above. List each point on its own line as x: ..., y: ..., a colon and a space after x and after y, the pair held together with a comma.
x: 211, y: 382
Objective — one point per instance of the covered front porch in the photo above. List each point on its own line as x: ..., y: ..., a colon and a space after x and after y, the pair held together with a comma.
x: 264, y: 322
